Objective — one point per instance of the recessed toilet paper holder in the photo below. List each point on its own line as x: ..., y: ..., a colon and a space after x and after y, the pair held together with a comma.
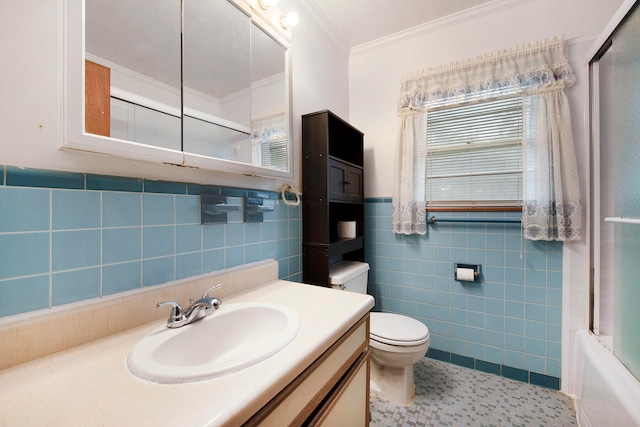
x: 461, y: 272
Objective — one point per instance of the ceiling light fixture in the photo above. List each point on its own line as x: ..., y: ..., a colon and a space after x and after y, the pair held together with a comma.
x: 289, y: 20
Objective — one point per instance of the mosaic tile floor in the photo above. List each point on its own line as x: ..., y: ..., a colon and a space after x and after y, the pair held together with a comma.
x: 450, y: 395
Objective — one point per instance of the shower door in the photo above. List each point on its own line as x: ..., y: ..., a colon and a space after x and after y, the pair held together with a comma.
x: 615, y: 118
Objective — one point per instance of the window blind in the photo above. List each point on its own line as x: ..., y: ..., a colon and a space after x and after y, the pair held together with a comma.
x: 474, y: 154
x: 274, y: 152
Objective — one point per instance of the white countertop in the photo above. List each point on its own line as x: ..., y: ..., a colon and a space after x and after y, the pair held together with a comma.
x: 90, y: 385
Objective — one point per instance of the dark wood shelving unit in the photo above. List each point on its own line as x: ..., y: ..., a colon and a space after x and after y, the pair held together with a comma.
x: 332, y: 191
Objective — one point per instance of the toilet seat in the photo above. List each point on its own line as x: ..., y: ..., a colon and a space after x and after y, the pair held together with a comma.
x: 397, y: 330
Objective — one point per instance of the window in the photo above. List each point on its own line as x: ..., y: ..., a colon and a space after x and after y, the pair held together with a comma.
x: 524, y: 87
x: 474, y: 154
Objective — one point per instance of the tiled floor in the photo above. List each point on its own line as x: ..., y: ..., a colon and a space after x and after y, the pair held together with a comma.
x: 450, y: 395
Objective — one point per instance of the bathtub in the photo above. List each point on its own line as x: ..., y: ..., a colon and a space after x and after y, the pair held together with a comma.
x: 606, y: 392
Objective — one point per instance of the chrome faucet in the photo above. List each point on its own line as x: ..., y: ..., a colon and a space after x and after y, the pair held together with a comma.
x: 205, y: 305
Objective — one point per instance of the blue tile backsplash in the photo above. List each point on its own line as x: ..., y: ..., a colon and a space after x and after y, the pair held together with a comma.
x: 67, y: 237
x: 510, y: 319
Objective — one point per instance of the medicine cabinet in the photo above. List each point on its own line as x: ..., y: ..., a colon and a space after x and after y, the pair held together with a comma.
x: 198, y: 83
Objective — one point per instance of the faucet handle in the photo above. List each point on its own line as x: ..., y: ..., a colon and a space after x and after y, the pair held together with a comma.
x: 206, y: 294
x: 216, y: 303
x: 176, y: 312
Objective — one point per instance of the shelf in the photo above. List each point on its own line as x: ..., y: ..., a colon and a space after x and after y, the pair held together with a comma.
x: 340, y: 246
x: 332, y: 178
x: 359, y: 166
x: 343, y: 246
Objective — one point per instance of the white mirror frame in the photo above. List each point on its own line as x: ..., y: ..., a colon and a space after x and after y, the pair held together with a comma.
x: 75, y: 137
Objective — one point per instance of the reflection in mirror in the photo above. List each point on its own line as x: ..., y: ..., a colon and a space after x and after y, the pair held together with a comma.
x: 216, y: 79
x: 268, y: 101
x: 216, y: 96
x: 132, y: 51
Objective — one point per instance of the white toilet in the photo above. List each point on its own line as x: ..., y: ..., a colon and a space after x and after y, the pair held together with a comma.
x: 396, y: 342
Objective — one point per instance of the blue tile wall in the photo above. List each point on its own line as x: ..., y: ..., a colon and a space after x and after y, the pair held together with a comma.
x: 67, y: 237
x: 509, y: 321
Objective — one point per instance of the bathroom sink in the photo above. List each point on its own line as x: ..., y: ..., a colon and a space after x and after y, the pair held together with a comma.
x: 234, y: 337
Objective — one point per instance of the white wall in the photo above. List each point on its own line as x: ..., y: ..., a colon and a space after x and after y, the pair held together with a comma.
x: 31, y: 84
x: 376, y: 69
x: 319, y: 80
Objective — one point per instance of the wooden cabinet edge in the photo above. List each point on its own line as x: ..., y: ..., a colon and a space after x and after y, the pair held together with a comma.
x: 97, y: 102
x: 325, y: 389
x: 324, y: 411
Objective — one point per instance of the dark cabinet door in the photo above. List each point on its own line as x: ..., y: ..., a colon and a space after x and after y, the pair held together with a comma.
x: 354, y: 184
x: 338, y: 178
x: 345, y: 182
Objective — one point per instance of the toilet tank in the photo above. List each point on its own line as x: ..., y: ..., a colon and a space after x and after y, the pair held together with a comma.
x: 350, y: 276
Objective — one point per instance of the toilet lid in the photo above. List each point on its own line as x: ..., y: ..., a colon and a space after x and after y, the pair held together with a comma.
x: 395, y: 329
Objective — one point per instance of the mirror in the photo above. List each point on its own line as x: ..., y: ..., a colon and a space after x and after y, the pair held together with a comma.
x: 142, y: 78
x: 217, y: 80
x: 268, y: 106
x: 216, y: 96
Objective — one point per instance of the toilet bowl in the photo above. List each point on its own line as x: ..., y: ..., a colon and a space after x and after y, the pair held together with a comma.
x: 396, y: 342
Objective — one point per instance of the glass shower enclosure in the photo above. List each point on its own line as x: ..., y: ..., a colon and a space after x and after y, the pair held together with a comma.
x: 615, y: 134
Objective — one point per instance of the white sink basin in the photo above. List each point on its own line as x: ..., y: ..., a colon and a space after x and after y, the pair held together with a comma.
x: 235, y: 337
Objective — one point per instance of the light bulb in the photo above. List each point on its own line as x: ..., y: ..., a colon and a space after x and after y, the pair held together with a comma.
x: 289, y: 20
x: 264, y: 4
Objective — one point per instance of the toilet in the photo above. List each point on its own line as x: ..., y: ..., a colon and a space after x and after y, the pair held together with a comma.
x: 396, y: 342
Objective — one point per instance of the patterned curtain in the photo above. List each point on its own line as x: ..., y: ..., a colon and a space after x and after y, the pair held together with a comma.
x: 409, y: 206
x: 551, y: 207
x: 539, y: 72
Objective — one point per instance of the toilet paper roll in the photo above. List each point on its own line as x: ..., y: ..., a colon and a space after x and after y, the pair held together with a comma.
x: 347, y: 229
x: 465, y: 274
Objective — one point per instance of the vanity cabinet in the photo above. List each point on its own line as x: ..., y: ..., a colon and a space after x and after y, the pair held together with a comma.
x: 334, y: 390
x: 321, y: 378
x: 345, y: 406
x: 333, y: 191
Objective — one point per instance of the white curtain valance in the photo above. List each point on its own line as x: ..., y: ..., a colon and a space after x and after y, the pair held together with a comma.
x: 539, y: 72
x: 518, y: 70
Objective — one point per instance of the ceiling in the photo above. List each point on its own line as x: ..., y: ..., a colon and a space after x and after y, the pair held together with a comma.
x: 362, y: 21
x: 216, y: 42
x: 155, y: 25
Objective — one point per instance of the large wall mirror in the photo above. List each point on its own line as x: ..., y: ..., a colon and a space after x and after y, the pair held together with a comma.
x: 202, y: 83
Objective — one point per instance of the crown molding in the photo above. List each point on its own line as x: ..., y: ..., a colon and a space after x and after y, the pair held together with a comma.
x: 324, y: 23
x: 438, y: 24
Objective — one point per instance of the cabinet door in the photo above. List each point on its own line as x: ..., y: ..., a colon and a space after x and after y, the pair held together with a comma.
x: 316, y: 390
x: 348, y: 404
x: 345, y: 182
x: 354, y: 184
x: 338, y: 179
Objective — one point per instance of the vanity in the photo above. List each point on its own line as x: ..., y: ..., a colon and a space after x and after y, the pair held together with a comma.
x: 68, y: 366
